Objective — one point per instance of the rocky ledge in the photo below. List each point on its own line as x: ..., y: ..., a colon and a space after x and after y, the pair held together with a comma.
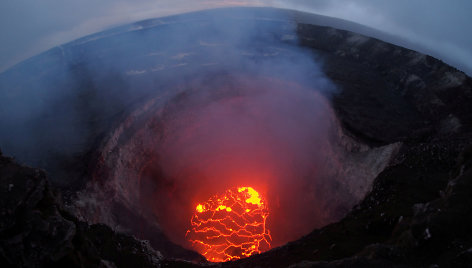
x: 36, y: 229
x: 418, y: 214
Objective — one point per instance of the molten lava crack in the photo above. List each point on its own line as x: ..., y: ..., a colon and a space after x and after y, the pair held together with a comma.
x: 230, y: 226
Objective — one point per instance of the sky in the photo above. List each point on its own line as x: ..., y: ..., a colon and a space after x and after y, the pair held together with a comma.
x: 28, y: 27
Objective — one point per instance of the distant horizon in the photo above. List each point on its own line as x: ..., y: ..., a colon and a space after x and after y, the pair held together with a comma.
x: 436, y: 30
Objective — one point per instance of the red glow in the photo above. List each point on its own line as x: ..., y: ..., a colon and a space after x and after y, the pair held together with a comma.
x: 230, y: 226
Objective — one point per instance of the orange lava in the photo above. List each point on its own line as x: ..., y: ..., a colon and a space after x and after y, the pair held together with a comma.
x: 230, y: 226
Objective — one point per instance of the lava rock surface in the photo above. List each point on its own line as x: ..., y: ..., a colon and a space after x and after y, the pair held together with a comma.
x: 36, y: 229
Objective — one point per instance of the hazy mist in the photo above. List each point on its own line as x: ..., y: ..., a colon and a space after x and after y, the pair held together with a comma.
x: 28, y: 27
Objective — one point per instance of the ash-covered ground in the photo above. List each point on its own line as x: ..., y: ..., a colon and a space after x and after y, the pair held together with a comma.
x: 403, y: 119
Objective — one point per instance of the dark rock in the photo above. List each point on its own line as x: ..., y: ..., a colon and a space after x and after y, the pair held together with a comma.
x: 36, y: 230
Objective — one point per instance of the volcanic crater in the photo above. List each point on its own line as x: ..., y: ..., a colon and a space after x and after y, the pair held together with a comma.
x: 349, y: 142
x: 165, y: 157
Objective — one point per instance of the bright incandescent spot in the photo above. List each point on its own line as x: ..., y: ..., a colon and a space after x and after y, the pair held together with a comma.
x: 230, y: 226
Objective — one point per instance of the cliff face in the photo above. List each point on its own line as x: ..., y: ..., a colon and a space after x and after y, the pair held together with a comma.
x: 67, y: 108
x: 418, y: 214
x: 37, y: 231
x: 389, y: 93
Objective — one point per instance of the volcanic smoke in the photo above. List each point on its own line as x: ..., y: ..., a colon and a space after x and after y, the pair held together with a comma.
x: 261, y: 119
x: 230, y: 102
x: 261, y: 132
